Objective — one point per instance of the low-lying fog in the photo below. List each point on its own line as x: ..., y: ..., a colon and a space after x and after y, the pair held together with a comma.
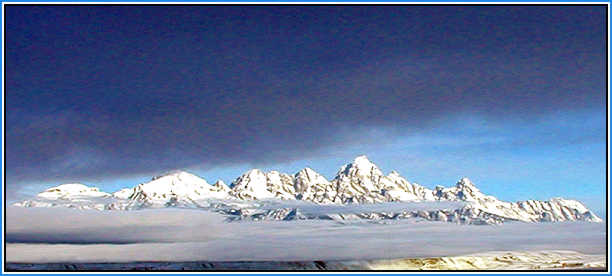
x: 66, y: 235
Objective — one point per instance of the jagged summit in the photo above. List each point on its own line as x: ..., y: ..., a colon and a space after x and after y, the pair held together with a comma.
x: 306, y: 171
x: 362, y: 160
x: 222, y: 188
x: 220, y: 183
x: 256, y: 174
x: 256, y: 184
x: 361, y: 166
x: 309, y: 175
x: 465, y: 182
x: 312, y: 186
x: 360, y: 181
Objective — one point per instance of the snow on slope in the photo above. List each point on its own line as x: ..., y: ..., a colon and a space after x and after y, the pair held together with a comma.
x: 167, y: 190
x: 359, y: 182
x: 73, y: 195
x: 176, y: 186
x: 72, y: 191
x: 221, y: 189
x: 556, y: 209
x: 124, y: 193
x: 311, y: 186
x: 399, y: 189
x: 256, y: 184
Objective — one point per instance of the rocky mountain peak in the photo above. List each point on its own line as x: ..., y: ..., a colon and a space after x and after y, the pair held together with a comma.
x: 360, y: 167
x: 219, y: 183
x: 306, y: 172
x: 255, y: 184
x: 466, y: 190
x: 466, y: 183
x: 394, y: 173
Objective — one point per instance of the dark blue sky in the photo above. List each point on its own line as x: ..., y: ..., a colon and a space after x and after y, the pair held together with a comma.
x: 503, y: 94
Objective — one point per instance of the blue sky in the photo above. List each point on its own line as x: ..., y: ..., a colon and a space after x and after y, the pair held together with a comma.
x: 524, y: 162
x: 511, y: 96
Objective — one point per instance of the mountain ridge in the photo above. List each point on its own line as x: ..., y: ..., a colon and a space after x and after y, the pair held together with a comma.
x: 358, y: 182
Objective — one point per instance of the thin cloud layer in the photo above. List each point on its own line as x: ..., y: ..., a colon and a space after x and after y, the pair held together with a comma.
x: 56, y: 225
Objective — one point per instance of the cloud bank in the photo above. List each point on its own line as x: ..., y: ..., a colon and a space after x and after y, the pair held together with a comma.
x: 58, y: 235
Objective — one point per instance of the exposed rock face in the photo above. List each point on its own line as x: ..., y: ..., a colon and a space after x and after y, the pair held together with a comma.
x: 221, y: 187
x: 311, y: 186
x: 359, y: 182
x: 396, y: 188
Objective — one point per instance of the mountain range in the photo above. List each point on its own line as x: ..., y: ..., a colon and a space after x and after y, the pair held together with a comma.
x: 258, y: 195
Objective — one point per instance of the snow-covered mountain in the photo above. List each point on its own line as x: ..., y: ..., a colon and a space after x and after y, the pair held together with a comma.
x: 72, y: 195
x: 363, y: 182
x: 176, y: 186
x: 360, y: 182
x: 72, y: 191
x: 311, y: 186
x: 256, y: 184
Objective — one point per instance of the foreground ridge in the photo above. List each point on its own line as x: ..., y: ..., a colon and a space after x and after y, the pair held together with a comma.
x: 557, y: 260
x: 258, y: 195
